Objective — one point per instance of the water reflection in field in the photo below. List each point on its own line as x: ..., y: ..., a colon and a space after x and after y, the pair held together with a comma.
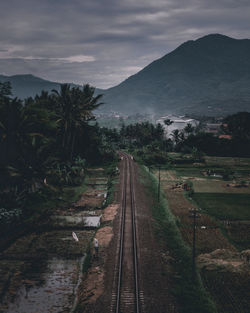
x: 50, y: 291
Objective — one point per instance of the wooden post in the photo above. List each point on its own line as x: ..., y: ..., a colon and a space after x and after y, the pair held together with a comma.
x: 194, y: 216
x: 159, y: 184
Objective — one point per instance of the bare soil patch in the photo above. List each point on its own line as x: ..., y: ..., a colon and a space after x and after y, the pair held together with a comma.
x: 93, y: 286
x: 226, y: 260
x: 104, y: 236
x: 226, y: 274
x: 95, y: 289
x: 110, y: 213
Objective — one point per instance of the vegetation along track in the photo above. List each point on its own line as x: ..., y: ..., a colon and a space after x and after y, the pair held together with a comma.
x: 125, y: 297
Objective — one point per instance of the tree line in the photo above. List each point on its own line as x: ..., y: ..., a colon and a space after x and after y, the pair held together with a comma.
x: 150, y: 142
x: 48, y: 139
x: 51, y: 138
x: 235, y: 144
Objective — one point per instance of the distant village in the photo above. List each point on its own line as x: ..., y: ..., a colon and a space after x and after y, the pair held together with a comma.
x: 210, y: 125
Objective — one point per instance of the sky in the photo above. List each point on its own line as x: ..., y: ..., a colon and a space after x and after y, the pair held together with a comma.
x: 102, y: 42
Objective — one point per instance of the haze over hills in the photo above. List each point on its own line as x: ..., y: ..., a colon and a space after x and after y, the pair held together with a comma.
x: 209, y: 76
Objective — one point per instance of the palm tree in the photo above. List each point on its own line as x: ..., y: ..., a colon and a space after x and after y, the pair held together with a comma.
x: 26, y: 133
x: 74, y: 108
x: 189, y: 129
x: 176, y: 135
x: 10, y: 120
x: 168, y: 122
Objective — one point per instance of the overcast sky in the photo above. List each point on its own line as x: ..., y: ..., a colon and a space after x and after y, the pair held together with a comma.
x: 102, y: 42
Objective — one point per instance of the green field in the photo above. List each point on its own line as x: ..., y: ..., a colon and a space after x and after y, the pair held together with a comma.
x: 224, y: 206
x: 188, y: 171
x: 218, y: 186
x: 227, y: 161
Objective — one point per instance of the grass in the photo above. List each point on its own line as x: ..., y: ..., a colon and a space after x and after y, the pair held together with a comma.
x: 227, y: 161
x: 218, y: 186
x: 188, y: 171
x: 87, y: 260
x: 210, y: 186
x: 191, y: 295
x: 224, y: 206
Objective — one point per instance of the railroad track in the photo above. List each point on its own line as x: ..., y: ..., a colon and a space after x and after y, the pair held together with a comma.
x: 126, y: 293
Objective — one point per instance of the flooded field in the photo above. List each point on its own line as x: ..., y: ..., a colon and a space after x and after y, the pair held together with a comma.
x: 52, y: 290
x: 41, y: 271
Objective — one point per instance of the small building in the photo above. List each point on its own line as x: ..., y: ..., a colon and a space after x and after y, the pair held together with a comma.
x: 229, y: 137
x: 213, y: 128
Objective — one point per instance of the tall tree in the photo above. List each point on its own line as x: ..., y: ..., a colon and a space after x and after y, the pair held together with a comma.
x: 238, y: 125
x: 74, y: 107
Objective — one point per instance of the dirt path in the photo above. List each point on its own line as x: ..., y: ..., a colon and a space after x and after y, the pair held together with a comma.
x: 154, y: 264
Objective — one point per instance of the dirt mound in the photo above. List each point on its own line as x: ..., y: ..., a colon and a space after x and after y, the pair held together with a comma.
x: 90, y: 200
x: 225, y: 260
x: 110, y: 213
x: 104, y: 236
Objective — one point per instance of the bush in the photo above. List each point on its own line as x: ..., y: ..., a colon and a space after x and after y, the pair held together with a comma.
x: 71, y: 174
x: 9, y: 216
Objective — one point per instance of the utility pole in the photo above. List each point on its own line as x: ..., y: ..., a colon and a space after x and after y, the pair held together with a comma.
x: 159, y: 184
x: 194, y: 215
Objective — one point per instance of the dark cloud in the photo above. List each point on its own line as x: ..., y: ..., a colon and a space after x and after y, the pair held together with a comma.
x: 104, y: 42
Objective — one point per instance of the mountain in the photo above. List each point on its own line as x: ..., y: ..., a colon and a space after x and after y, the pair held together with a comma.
x: 210, y: 75
x: 24, y: 86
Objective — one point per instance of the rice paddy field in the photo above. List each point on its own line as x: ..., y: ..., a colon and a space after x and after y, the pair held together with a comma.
x: 220, y: 189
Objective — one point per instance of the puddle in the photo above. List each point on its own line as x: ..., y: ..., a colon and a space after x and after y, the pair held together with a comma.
x: 92, y: 221
x: 80, y: 221
x: 40, y: 272
x: 50, y: 291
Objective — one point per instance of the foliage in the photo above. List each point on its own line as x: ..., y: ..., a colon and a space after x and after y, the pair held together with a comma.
x: 197, y: 154
x: 214, y: 146
x: 67, y: 173
x: 74, y: 108
x: 191, y: 295
x: 48, y: 139
x: 227, y: 174
x: 9, y: 216
x: 149, y: 157
x: 142, y: 134
x: 87, y: 261
x: 190, y: 189
x: 237, y: 125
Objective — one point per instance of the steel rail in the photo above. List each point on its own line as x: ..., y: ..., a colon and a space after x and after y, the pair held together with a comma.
x: 134, y: 238
x: 128, y: 168
x: 122, y: 227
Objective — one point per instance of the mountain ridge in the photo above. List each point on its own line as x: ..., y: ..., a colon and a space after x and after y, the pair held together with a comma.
x: 28, y: 85
x: 209, y: 76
